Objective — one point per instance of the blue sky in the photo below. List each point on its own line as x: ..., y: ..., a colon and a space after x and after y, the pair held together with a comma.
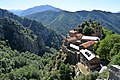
x: 70, y: 5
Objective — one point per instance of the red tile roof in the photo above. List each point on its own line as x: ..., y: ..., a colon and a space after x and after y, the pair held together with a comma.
x: 71, y: 39
x: 78, y: 36
x: 88, y: 44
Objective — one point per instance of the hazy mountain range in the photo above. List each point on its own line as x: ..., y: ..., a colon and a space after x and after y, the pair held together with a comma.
x: 34, y: 10
x: 17, y: 12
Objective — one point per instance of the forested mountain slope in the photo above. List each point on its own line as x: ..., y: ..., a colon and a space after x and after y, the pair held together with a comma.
x: 19, y: 37
x: 47, y: 37
x: 64, y: 21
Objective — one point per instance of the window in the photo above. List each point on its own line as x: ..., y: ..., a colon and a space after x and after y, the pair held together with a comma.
x: 87, y: 54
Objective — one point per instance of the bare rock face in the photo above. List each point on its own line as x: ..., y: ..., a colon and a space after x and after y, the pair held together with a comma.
x: 19, y: 37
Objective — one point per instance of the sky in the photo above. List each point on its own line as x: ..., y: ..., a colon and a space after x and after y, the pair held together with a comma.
x: 69, y: 5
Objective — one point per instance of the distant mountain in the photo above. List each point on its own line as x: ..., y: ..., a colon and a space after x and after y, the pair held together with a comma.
x: 35, y: 9
x: 63, y: 21
x: 27, y: 35
x: 117, y: 12
x: 17, y: 12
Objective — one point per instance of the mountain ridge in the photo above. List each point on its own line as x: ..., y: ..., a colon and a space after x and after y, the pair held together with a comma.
x: 35, y: 9
x: 69, y: 20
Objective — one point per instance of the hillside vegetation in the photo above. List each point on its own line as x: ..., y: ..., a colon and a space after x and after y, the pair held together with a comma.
x: 29, y: 66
